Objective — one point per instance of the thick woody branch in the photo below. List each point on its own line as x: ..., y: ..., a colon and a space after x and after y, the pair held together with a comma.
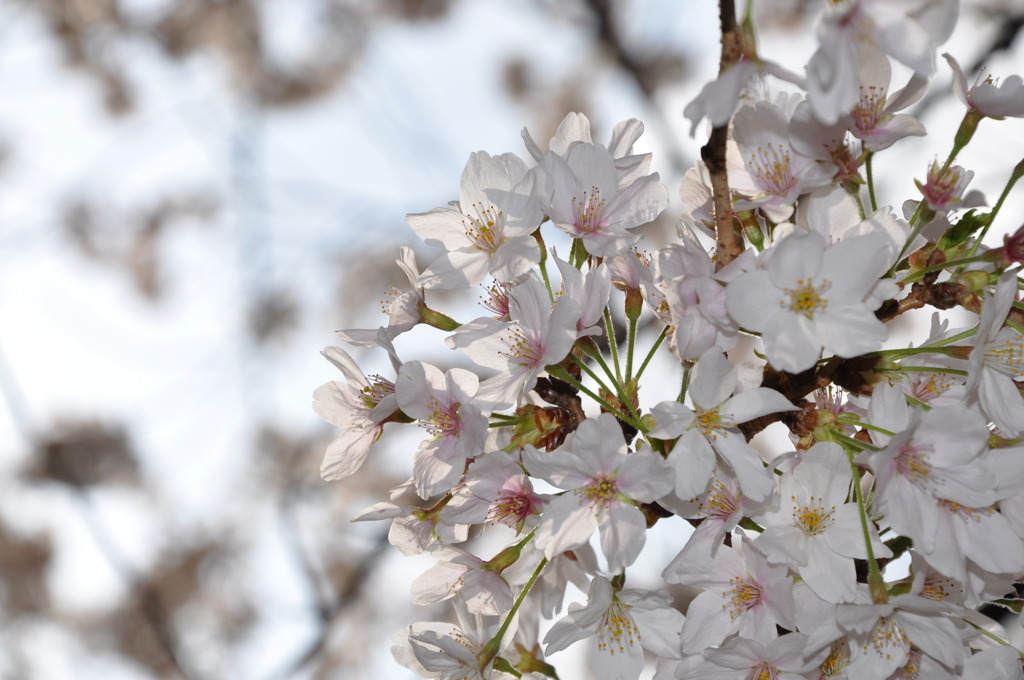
x: 729, y: 237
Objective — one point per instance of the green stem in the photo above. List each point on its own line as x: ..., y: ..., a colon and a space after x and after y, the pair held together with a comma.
x: 988, y: 634
x: 846, y: 420
x: 1016, y: 175
x: 871, y: 180
x: 851, y: 443
x: 954, y: 338
x: 630, y: 343
x: 596, y: 378
x: 544, y: 264
x: 921, y: 273
x: 490, y: 650
x: 922, y: 369
x: 686, y: 383
x: 650, y: 354
x: 604, y: 365
x: 954, y: 352
x: 875, y: 581
x: 613, y: 344
x: 562, y: 374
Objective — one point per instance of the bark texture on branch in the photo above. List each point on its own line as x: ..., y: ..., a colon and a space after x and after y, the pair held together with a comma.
x: 729, y: 236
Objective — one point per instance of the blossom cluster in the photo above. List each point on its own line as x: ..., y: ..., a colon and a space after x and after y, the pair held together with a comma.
x: 896, y: 451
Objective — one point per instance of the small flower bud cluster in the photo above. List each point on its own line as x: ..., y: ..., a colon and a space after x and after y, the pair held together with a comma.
x: 554, y: 445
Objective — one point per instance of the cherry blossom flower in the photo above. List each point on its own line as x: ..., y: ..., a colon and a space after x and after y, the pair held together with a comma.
x: 444, y: 404
x: 772, y: 175
x: 695, y: 300
x: 590, y: 291
x: 815, y: 531
x: 604, y: 486
x: 719, y: 509
x: 851, y: 27
x: 881, y: 636
x: 536, y: 336
x: 742, y: 594
x: 458, y: 572
x: 997, y: 361
x: 413, y: 530
x: 446, y: 651
x: 811, y: 297
x: 488, y: 230
x: 495, y: 491
x: 588, y: 203
x: 943, y: 189
x: 717, y: 100
x: 620, y: 624
x: 933, y: 455
x: 874, y: 119
x: 710, y: 428
x: 988, y: 97
x: 359, y: 406
x: 575, y: 127
x: 742, y: 659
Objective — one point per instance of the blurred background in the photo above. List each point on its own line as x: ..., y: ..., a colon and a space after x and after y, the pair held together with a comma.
x: 194, y: 195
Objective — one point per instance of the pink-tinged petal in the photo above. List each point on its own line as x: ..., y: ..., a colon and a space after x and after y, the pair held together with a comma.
x: 568, y: 522
x: 760, y: 401
x: 346, y: 454
x: 825, y: 472
x: 441, y: 227
x: 575, y: 127
x: 529, y: 304
x: 752, y: 299
x: 796, y: 258
x: 561, y: 468
x: 460, y: 384
x: 855, y: 264
x: 784, y: 544
x: 639, y: 203
x: 622, y: 535
x: 644, y: 476
x: 755, y: 480
x: 415, y: 388
x: 936, y: 636
x: 959, y: 79
x: 659, y: 630
x: 435, y: 469
x: 483, y: 341
x: 457, y: 269
x: 707, y: 624
x: 344, y: 363
x: 791, y: 342
x: 989, y: 541
x: 846, y: 535
x: 832, y: 577
x: 717, y: 100
x: 1002, y: 402
x: 713, y: 380
x: 671, y: 419
x: 891, y: 131
x: 506, y: 389
x: 694, y: 462
x: 438, y: 583
x: 514, y: 258
x: 624, y: 135
x: 850, y: 330
x: 609, y: 243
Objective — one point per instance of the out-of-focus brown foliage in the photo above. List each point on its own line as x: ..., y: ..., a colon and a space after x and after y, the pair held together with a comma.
x: 131, y: 240
x: 84, y: 454
x: 23, y: 563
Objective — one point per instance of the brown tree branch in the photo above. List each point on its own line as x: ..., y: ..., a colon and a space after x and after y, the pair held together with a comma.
x: 729, y: 237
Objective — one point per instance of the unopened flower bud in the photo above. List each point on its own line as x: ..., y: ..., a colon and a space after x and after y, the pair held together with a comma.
x: 542, y: 426
x: 1013, y: 247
